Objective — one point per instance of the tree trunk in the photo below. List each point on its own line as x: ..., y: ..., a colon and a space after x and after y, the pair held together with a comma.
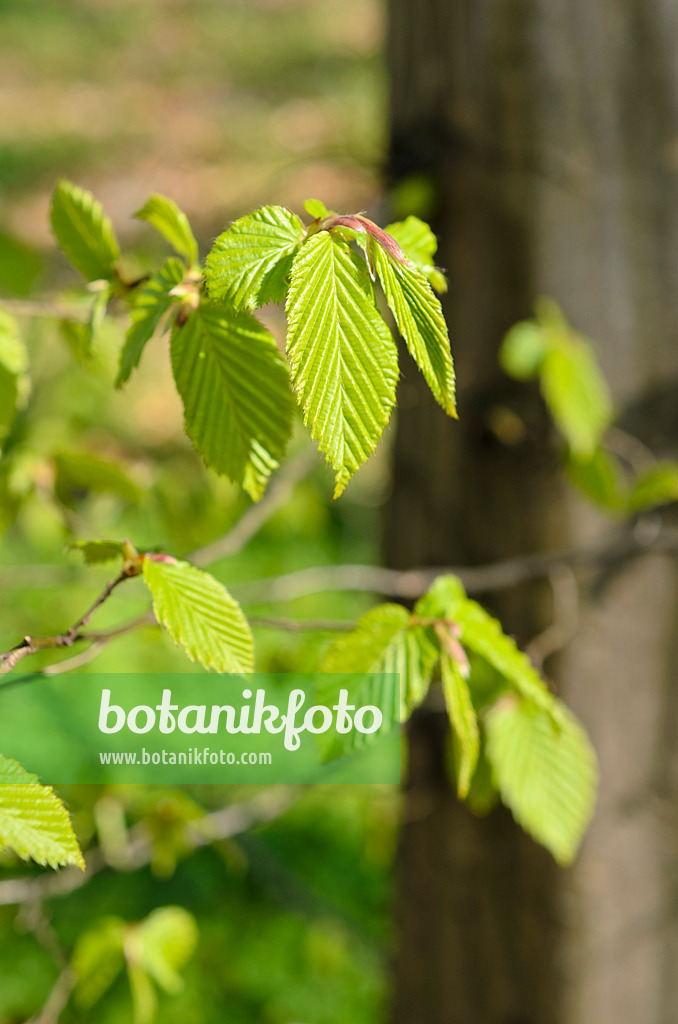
x: 548, y: 130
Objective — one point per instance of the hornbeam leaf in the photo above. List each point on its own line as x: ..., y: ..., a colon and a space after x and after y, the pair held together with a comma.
x: 658, y: 486
x: 172, y: 223
x: 384, y: 642
x: 420, y: 320
x: 576, y: 394
x: 546, y: 772
x: 97, y: 552
x: 236, y: 393
x: 84, y: 232
x: 199, y: 614
x: 249, y: 263
x: 464, y: 722
x: 14, y: 380
x: 343, y: 357
x: 419, y: 244
x: 33, y: 820
x: 151, y: 302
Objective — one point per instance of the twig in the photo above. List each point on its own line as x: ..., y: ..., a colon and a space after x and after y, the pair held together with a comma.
x: 224, y: 824
x: 565, y: 592
x: 50, y: 310
x: 254, y: 518
x: 57, y: 999
x: 302, y: 625
x: 31, y: 645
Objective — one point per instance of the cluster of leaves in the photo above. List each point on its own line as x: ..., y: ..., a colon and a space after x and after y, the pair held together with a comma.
x: 236, y: 388
x: 33, y: 820
x: 152, y: 951
x: 578, y: 398
x: 511, y: 737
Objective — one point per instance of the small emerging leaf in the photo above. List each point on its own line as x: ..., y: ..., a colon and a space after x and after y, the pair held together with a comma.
x: 249, y: 263
x: 84, y: 232
x: 33, y: 820
x: 577, y: 395
x: 419, y: 244
x: 600, y: 478
x: 658, y: 486
x: 97, y: 552
x: 172, y: 223
x: 199, y: 614
x: 464, y: 722
x: 150, y: 304
x: 523, y: 350
x: 97, y: 960
x: 316, y: 209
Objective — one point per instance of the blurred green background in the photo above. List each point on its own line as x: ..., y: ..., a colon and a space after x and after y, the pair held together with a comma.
x: 223, y: 106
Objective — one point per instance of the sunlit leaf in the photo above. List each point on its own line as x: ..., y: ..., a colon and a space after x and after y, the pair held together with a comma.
x: 172, y: 223
x: 150, y: 304
x: 84, y: 232
x: 464, y: 721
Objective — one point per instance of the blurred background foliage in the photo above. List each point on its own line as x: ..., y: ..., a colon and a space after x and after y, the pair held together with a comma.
x: 222, y: 105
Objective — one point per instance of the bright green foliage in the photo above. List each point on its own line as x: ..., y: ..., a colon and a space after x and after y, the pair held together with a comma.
x: 14, y: 381
x: 84, y: 232
x: 600, y: 478
x: 97, y: 552
x: 33, y: 820
x: 250, y: 262
x: 464, y: 721
x: 658, y: 486
x: 523, y: 350
x: 235, y: 388
x: 172, y: 223
x: 421, y: 322
x: 343, y: 357
x: 419, y: 244
x: 546, y: 772
x: 153, y: 950
x: 386, y: 641
x: 316, y: 208
x: 199, y: 614
x: 149, y: 305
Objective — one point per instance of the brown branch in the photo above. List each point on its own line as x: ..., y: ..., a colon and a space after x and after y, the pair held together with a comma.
x: 301, y: 625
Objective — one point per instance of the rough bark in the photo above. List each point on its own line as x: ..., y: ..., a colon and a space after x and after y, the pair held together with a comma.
x: 549, y: 131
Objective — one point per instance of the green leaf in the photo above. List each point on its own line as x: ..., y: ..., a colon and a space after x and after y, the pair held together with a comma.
x: 97, y: 960
x: 316, y: 209
x: 420, y: 320
x: 523, y: 349
x: 343, y: 357
x: 167, y: 939
x: 172, y: 223
x: 249, y: 263
x: 600, y: 478
x: 419, y: 244
x: 576, y: 394
x: 235, y: 388
x: 658, y: 486
x: 14, y: 380
x: 33, y: 820
x: 84, y: 232
x: 150, y: 304
x: 385, y: 642
x: 464, y: 721
x: 96, y: 552
x: 546, y: 772
x: 199, y: 614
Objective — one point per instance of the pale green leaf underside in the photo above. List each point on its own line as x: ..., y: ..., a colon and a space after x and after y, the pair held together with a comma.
x: 151, y: 303
x: 235, y: 388
x: 172, y: 223
x: 200, y: 615
x: 343, y: 357
x: 420, y: 320
x: 249, y: 263
x: 84, y: 232
x: 577, y: 395
x: 384, y: 642
x: 464, y: 722
x: 33, y: 820
x: 546, y: 773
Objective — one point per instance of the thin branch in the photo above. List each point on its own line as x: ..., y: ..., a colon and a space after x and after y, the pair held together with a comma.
x: 31, y: 645
x: 57, y: 999
x: 231, y: 821
x: 302, y: 625
x: 254, y: 518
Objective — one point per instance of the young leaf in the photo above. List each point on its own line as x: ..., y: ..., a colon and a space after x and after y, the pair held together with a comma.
x: 33, y: 820
x: 577, y: 395
x: 343, y: 357
x: 316, y: 209
x: 384, y: 642
x: 600, y: 478
x: 98, y: 958
x: 84, y: 232
x: 235, y: 388
x: 658, y: 486
x: 172, y: 223
x: 167, y: 939
x: 523, y: 349
x: 464, y: 721
x: 97, y: 552
x: 249, y: 263
x: 151, y: 303
x: 14, y: 382
x: 546, y: 772
x: 420, y: 320
x: 199, y: 614
x: 419, y: 244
